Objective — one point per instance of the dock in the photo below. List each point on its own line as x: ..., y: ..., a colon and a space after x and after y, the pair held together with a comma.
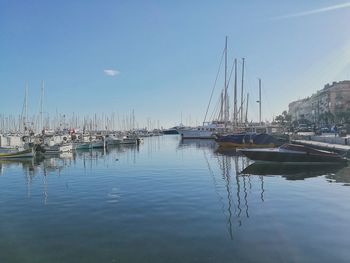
x: 338, y: 148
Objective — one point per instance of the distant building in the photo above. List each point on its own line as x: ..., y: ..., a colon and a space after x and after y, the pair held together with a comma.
x: 332, y: 98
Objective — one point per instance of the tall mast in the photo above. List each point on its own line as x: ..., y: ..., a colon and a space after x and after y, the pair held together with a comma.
x: 221, y: 114
x: 242, y: 90
x: 246, y: 109
x: 24, y: 116
x: 41, y: 105
x: 259, y: 101
x: 26, y: 105
x: 235, y: 95
x: 225, y: 88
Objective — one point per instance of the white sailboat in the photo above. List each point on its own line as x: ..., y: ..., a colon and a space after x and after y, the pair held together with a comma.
x: 201, y: 132
x: 209, y: 129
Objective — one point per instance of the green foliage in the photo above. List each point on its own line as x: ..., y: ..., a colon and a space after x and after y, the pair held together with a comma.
x: 284, y: 119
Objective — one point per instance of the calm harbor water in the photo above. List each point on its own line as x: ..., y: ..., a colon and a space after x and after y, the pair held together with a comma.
x: 171, y: 201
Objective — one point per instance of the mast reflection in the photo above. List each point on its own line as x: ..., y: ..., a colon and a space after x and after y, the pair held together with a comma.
x: 232, y: 188
x: 52, y: 165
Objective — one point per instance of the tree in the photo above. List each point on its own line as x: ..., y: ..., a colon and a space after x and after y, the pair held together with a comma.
x: 280, y: 119
x: 284, y: 119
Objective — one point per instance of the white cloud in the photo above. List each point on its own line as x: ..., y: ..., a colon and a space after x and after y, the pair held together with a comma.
x: 316, y: 11
x: 111, y: 72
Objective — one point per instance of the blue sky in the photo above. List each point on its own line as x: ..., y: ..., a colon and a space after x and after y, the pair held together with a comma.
x: 166, y: 54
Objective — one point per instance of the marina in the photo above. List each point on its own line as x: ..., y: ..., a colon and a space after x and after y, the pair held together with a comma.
x: 170, y: 200
x: 174, y: 131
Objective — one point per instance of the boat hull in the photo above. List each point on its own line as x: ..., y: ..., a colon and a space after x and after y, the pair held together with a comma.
x: 114, y: 141
x: 20, y: 154
x: 83, y: 146
x: 246, y: 140
x: 129, y: 141
x: 170, y: 131
x: 56, y: 149
x: 244, y: 145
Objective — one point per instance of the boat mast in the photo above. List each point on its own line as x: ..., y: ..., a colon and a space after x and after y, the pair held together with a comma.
x: 41, y: 106
x: 24, y: 115
x: 235, y: 95
x: 26, y: 106
x: 221, y: 115
x: 242, y: 90
x: 225, y: 87
x: 246, y: 109
x: 259, y: 101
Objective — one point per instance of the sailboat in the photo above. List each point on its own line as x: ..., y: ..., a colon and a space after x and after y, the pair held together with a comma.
x: 209, y: 129
x: 223, y: 124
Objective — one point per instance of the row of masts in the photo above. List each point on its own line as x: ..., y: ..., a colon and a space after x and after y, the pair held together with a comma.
x: 59, y: 122
x: 26, y: 123
x: 239, y: 116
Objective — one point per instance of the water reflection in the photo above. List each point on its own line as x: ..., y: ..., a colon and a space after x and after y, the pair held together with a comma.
x: 237, y: 180
x: 177, y: 195
x: 341, y: 176
x: 47, y: 165
x: 196, y: 143
x: 291, y: 172
x: 233, y: 189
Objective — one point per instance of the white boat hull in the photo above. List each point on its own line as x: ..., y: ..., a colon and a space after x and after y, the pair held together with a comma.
x: 58, y: 149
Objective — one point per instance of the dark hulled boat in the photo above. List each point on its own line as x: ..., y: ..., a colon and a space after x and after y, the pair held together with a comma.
x: 247, y: 139
x: 292, y: 153
x: 170, y: 131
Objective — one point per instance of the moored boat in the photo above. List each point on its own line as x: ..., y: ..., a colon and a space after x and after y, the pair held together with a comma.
x: 57, y: 148
x: 206, y: 131
x: 246, y: 139
x: 293, y: 153
x: 16, y: 153
x: 170, y: 131
x: 130, y: 139
x: 113, y: 140
x: 98, y: 143
x: 82, y: 145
